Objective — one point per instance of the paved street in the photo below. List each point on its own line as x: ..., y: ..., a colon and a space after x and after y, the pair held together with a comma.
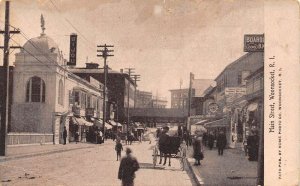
x: 95, y: 165
x: 233, y: 168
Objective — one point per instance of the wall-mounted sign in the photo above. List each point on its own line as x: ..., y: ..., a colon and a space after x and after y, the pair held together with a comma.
x: 233, y: 93
x: 73, y: 50
x: 254, y: 43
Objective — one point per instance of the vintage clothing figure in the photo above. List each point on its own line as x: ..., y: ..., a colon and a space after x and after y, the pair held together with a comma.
x: 118, y: 148
x: 76, y: 137
x: 252, y: 144
x: 221, y: 142
x: 210, y: 140
x: 65, y: 134
x: 198, y: 150
x: 163, y: 144
x: 128, y: 166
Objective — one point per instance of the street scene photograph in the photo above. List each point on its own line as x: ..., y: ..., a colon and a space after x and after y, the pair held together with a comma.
x: 131, y: 92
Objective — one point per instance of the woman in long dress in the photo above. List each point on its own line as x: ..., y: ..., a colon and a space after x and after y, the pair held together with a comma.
x: 198, y: 150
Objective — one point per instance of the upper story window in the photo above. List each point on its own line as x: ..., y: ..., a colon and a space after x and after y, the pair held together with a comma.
x: 35, y: 90
x: 60, y: 93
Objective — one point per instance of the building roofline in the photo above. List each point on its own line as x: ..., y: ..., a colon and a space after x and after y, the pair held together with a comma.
x: 233, y: 63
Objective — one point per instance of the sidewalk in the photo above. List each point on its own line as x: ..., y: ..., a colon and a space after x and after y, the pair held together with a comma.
x: 233, y: 168
x: 37, y: 150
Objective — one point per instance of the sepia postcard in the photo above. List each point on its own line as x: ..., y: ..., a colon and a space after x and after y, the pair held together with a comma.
x: 149, y: 93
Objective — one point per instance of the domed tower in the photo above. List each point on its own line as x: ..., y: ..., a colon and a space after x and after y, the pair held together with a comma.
x: 38, y: 75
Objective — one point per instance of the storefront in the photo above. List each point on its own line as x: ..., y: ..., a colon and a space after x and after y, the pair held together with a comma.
x: 214, y: 127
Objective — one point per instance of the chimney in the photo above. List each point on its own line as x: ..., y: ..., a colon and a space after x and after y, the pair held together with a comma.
x: 92, y: 65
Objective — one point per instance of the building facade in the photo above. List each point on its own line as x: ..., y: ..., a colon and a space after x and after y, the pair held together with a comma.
x: 121, y: 88
x: 46, y: 96
x: 180, y: 98
x: 143, y: 99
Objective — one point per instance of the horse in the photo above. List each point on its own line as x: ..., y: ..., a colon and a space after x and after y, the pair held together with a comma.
x: 168, y: 146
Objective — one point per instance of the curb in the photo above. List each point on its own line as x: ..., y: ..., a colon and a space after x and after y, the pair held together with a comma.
x: 194, y: 176
x: 40, y: 154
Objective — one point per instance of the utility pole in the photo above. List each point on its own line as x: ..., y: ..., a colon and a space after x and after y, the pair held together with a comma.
x: 136, y: 78
x: 5, y: 99
x: 104, y: 53
x: 130, y: 72
x: 190, y: 97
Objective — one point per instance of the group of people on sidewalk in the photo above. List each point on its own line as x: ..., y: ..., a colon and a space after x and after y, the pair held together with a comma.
x: 205, y: 139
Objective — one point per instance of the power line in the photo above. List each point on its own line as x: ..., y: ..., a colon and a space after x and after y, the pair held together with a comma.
x: 72, y: 25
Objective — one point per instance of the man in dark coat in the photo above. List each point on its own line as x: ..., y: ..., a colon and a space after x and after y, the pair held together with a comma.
x: 164, y: 143
x: 128, y: 166
x: 221, y: 142
x: 210, y: 141
x: 252, y: 144
x: 65, y: 134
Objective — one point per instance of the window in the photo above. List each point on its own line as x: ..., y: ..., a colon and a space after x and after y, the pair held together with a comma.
x: 35, y: 90
x: 77, y: 98
x: 60, y: 93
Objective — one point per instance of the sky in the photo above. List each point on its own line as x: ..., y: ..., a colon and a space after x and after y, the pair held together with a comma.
x: 164, y: 40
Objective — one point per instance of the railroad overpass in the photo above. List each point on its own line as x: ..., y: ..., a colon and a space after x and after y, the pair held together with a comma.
x: 153, y: 117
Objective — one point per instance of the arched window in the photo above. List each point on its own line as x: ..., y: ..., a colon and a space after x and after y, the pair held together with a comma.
x: 60, y: 93
x: 35, y: 90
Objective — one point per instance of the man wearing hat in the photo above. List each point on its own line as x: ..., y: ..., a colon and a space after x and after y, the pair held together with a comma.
x: 128, y: 166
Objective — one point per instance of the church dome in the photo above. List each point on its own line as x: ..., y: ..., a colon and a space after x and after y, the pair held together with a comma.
x: 41, y: 45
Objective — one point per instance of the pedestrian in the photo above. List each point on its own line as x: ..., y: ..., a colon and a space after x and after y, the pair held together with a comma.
x: 198, y: 150
x: 204, y: 139
x: 158, y: 132
x: 210, y: 140
x: 252, y: 144
x: 118, y: 148
x: 101, y: 138
x: 65, y: 134
x: 128, y: 166
x: 76, y: 136
x: 221, y: 142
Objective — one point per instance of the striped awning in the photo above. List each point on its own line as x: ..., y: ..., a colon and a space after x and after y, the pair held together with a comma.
x: 82, y: 121
x: 217, y: 123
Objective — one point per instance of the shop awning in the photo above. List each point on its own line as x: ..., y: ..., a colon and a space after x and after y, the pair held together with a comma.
x: 113, y: 123
x: 252, y: 107
x: 82, y: 121
x: 200, y: 122
x: 99, y: 123
x: 108, y: 126
x: 217, y: 123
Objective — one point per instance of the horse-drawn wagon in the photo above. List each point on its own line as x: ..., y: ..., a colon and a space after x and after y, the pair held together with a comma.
x: 170, y: 147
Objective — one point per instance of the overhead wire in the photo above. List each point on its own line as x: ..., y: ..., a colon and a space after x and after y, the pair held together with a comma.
x: 72, y: 25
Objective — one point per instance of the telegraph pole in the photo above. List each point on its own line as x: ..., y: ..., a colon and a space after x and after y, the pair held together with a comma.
x: 130, y: 71
x: 5, y: 99
x: 136, y: 78
x: 104, y: 53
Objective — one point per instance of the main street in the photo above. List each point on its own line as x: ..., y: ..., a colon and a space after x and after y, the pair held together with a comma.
x: 89, y: 166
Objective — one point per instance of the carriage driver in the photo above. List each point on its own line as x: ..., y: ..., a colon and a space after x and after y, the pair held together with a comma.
x: 163, y: 141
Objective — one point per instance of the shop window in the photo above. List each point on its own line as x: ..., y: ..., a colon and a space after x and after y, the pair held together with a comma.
x: 35, y: 90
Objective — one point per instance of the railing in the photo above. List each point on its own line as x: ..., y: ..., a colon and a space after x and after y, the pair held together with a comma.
x: 29, y: 138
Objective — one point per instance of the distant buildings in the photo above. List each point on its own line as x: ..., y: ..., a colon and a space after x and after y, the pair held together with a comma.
x: 180, y: 98
x: 159, y: 102
x: 143, y: 99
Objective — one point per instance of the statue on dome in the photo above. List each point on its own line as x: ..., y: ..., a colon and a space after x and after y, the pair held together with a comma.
x: 42, y: 24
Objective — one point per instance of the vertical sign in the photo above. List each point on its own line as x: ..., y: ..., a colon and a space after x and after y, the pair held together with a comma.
x: 254, y: 43
x: 73, y: 50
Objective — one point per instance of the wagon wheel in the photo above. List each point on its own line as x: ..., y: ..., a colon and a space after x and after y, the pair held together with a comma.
x: 182, y: 158
x: 154, y: 156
